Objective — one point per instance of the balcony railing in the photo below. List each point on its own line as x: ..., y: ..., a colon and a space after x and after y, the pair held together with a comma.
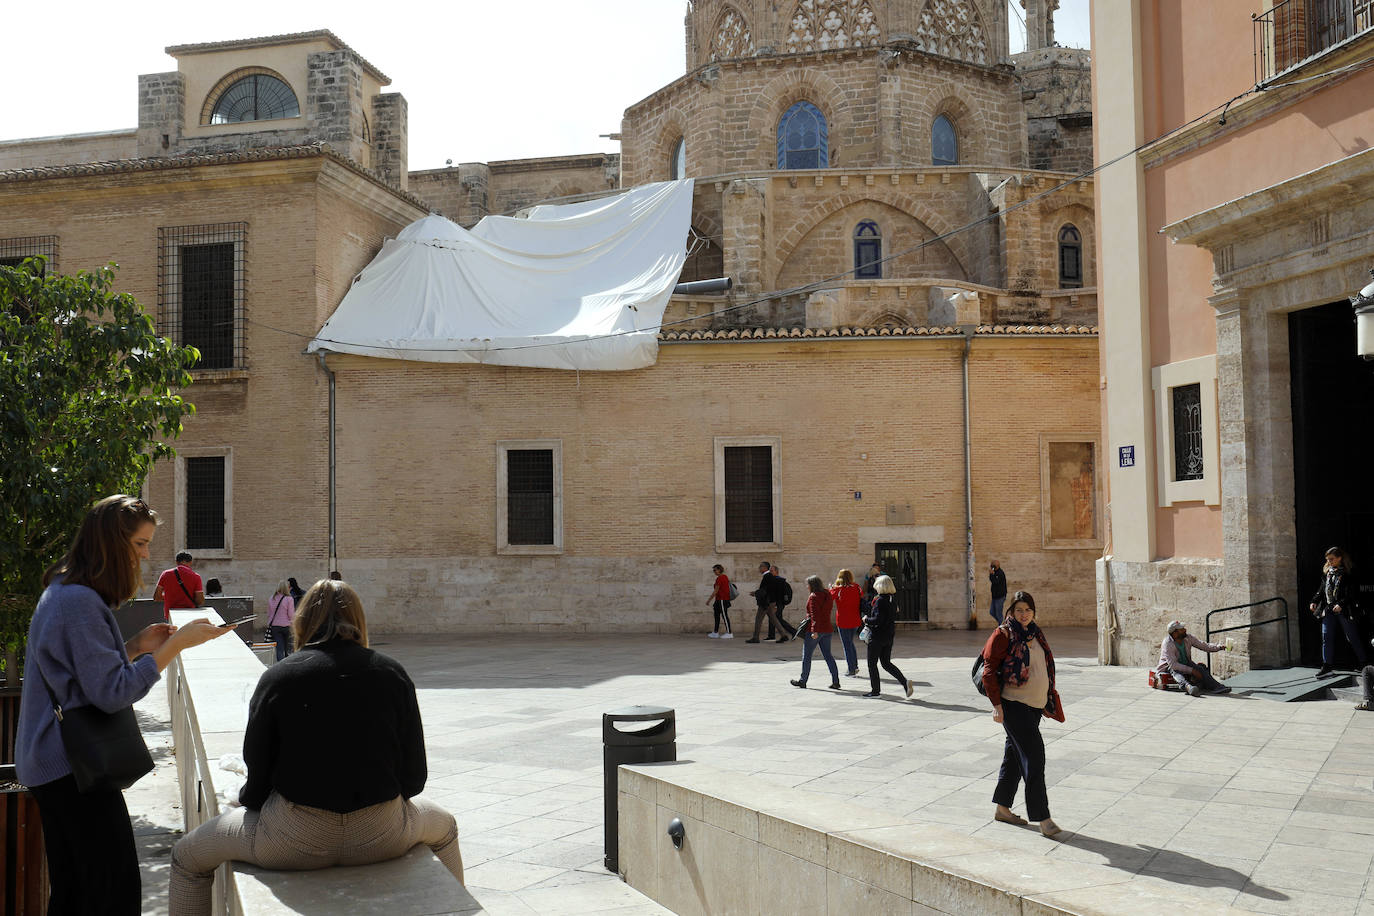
x: 1295, y: 30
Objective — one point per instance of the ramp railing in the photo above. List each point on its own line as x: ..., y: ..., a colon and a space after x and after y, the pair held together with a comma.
x: 1287, y: 635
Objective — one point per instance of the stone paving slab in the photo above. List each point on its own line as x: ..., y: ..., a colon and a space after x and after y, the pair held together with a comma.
x: 1257, y: 805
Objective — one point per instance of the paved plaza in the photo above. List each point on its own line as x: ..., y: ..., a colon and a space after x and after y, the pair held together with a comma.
x: 1236, y: 800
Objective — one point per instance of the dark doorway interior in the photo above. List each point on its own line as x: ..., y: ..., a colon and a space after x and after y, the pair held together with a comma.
x: 1333, y: 392
x: 906, y: 564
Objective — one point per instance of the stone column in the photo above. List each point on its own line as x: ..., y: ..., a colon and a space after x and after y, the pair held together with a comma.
x: 743, y: 214
x: 390, y: 140
x: 333, y: 102
x: 161, y: 113
x: 889, y: 113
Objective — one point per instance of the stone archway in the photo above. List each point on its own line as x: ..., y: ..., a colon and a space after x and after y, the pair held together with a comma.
x: 786, y: 89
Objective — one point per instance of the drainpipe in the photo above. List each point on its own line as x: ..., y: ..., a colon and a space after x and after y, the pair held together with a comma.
x: 968, y: 330
x: 333, y: 491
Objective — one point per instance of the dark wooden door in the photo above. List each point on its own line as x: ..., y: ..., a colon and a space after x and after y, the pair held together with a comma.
x: 906, y: 564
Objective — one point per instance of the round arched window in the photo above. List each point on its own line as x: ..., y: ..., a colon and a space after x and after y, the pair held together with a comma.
x: 944, y: 142
x: 259, y: 97
x: 677, y: 164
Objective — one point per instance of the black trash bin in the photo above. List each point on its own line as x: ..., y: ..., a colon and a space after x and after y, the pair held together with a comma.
x: 655, y: 742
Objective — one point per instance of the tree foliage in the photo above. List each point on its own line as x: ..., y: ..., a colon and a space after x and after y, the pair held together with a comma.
x: 88, y: 400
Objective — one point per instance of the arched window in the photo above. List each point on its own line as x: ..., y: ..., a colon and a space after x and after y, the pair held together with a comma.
x: 803, y: 138
x: 1070, y: 258
x: 944, y: 142
x: 868, y: 251
x: 677, y: 164
x: 259, y: 97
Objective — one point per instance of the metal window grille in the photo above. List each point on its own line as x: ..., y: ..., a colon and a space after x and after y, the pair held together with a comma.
x: 14, y: 251
x: 529, y: 496
x: 201, y: 290
x: 749, y: 494
x: 1187, y: 431
x: 868, y: 251
x: 205, y: 503
x: 259, y: 97
x: 1295, y: 30
x: 1070, y: 258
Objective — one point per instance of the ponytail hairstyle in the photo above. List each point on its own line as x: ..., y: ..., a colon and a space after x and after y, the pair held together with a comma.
x: 330, y: 610
x: 102, y: 556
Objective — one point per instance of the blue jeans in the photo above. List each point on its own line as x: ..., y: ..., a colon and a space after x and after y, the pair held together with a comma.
x: 282, y: 637
x: 1334, y: 623
x: 823, y: 640
x: 996, y: 609
x: 851, y: 655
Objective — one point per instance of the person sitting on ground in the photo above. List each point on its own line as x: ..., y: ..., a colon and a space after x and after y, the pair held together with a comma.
x: 336, y: 761
x: 1195, y: 677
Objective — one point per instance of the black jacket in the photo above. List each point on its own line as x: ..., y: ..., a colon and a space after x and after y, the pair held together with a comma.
x: 770, y: 591
x: 334, y: 726
x: 1343, y: 592
x: 882, y: 619
x: 999, y: 583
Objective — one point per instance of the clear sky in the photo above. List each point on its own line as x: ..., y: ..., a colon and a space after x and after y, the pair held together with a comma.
x: 484, y: 81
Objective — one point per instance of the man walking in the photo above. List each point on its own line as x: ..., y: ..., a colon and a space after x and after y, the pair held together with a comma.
x: 179, y: 587
x: 769, y: 599
x: 999, y: 590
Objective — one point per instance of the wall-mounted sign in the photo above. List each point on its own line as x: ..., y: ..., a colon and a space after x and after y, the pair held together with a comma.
x: 858, y: 494
x: 1127, y: 453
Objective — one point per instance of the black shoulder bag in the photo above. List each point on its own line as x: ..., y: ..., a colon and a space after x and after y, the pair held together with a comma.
x: 105, y: 750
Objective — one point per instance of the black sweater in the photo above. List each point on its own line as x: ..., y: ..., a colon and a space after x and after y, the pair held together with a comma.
x: 336, y: 727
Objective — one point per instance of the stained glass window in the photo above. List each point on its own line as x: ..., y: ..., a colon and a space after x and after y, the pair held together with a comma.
x: 944, y: 142
x: 803, y: 138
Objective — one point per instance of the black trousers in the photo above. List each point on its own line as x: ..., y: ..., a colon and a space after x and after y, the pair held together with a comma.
x: 1023, y: 759
x: 722, y: 609
x: 881, y: 653
x: 92, y: 861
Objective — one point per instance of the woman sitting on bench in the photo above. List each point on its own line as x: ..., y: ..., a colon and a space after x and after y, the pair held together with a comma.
x: 1195, y: 677
x: 336, y: 761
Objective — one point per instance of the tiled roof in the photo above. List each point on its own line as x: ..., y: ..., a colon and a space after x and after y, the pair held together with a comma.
x: 265, y: 154
x: 266, y: 41
x: 985, y: 330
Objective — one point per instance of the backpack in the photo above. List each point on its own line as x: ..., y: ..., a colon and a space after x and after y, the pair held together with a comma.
x: 734, y: 591
x: 785, y: 591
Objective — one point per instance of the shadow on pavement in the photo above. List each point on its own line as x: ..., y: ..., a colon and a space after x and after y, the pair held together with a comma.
x: 1170, y: 865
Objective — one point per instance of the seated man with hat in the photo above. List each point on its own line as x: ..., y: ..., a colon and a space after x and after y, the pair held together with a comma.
x: 1174, y: 659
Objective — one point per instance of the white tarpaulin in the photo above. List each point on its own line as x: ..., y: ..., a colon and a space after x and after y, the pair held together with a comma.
x: 573, y: 286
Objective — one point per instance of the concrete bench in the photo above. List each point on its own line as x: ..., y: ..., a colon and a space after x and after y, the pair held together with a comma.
x: 225, y: 672
x: 754, y: 847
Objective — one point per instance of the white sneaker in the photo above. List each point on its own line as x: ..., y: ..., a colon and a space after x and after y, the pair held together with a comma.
x: 713, y: 636
x: 727, y: 636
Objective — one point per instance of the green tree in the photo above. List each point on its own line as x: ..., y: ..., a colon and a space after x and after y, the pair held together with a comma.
x: 88, y: 400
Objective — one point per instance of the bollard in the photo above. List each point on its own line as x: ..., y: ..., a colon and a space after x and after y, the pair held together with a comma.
x: 654, y: 743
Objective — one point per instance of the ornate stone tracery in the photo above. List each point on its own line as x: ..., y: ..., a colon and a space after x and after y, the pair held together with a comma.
x: 952, y: 28
x: 825, y: 25
x: 732, y: 37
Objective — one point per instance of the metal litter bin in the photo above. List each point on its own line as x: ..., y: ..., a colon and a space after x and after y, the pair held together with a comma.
x: 654, y: 742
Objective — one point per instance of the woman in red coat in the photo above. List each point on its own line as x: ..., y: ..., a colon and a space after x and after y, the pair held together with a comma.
x: 848, y: 617
x: 817, y: 631
x: 1018, y: 676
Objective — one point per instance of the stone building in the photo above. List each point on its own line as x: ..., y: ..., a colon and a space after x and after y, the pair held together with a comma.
x: 1232, y: 233
x: 905, y: 368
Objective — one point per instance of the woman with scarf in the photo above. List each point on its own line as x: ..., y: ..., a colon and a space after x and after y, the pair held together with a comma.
x: 1334, y: 605
x: 1018, y: 675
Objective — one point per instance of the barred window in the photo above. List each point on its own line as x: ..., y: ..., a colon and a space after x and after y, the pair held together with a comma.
x: 259, y: 97
x: 1187, y: 405
x: 529, y: 495
x: 529, y: 500
x: 201, y: 290
x: 205, y: 509
x: 14, y: 251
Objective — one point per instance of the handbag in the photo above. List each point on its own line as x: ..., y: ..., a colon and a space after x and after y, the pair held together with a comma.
x: 865, y: 634
x: 977, y: 674
x: 105, y: 750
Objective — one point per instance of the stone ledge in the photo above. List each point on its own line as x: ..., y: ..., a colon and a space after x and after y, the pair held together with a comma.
x: 752, y: 846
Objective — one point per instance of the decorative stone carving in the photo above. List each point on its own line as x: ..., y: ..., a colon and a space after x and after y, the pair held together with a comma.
x: 831, y: 24
x: 732, y: 38
x: 952, y: 28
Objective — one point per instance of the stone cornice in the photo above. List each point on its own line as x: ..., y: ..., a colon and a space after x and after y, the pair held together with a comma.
x: 1287, y: 202
x: 985, y: 330
x: 268, y: 41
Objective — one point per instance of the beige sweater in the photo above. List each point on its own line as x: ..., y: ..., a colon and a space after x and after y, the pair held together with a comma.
x: 1035, y: 693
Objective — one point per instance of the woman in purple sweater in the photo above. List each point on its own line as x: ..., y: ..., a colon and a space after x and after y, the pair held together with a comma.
x: 75, y: 644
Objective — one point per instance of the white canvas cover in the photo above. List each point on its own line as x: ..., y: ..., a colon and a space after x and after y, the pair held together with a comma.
x: 573, y: 286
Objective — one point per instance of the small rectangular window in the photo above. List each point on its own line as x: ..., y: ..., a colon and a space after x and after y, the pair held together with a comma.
x: 1187, y: 407
x: 868, y: 259
x: 529, y: 496
x: 205, y: 513
x: 749, y: 494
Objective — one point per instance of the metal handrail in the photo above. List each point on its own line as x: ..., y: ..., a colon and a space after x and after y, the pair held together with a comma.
x: 1287, y: 635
